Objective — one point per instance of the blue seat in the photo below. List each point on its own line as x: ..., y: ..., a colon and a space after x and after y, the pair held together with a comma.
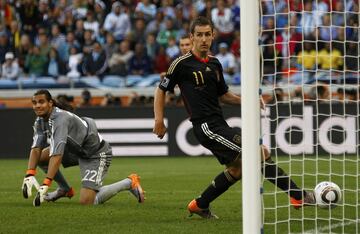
x: 87, y: 82
x: 150, y: 80
x: 39, y: 83
x: 114, y: 81
x: 8, y: 84
x: 132, y: 80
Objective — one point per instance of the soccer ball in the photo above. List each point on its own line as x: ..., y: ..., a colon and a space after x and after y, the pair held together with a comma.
x: 327, y: 194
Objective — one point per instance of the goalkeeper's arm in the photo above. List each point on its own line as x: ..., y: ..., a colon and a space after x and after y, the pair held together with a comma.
x: 54, y: 164
x: 29, y: 179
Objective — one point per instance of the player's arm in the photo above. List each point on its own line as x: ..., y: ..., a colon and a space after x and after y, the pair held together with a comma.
x: 159, y: 103
x: 230, y: 98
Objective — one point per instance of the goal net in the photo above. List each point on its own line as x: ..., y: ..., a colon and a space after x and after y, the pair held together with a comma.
x: 310, y: 82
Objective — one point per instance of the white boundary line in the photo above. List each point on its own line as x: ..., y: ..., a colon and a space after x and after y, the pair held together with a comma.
x: 326, y: 229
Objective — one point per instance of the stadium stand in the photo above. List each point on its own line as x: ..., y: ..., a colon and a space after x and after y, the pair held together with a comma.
x: 55, y: 44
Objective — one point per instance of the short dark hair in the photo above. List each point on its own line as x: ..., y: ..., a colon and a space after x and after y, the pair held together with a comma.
x: 185, y: 36
x: 201, y: 21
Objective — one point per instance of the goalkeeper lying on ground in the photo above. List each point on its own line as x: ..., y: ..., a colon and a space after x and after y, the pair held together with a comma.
x: 61, y: 137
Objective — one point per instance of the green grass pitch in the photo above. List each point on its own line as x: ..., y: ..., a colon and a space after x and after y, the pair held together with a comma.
x: 170, y: 183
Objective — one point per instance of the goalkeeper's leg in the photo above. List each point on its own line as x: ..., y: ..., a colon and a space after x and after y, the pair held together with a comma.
x: 59, y: 178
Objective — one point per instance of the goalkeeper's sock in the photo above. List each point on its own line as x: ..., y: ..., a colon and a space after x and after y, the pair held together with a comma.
x: 278, y: 177
x: 218, y: 186
x: 58, y: 178
x: 108, y: 191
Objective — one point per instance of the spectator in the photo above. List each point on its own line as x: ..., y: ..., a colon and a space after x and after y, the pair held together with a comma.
x: 58, y: 41
x: 23, y: 50
x: 85, y: 100
x: 327, y: 32
x: 166, y: 9
x: 161, y: 61
x: 35, y: 63
x: 145, y: 10
x: 29, y: 16
x: 187, y: 10
x: 100, y: 8
x: 330, y: 58
x: 169, y: 31
x: 95, y: 63
x: 111, y: 46
x: 79, y: 31
x: 156, y: 25
x: 43, y: 44
x: 172, y: 51
x: 117, y: 22
x: 91, y: 24
x: 140, y: 63
x: 15, y: 35
x: 308, y: 20
x: 74, y: 62
x: 221, y: 17
x: 306, y: 62
x: 226, y: 59
x: 4, y: 46
x: 88, y: 42
x: 152, y: 46
x: 110, y: 100
x: 55, y: 66
x: 118, y: 62
x: 138, y: 33
x: 352, y: 57
x: 10, y: 68
x: 206, y: 12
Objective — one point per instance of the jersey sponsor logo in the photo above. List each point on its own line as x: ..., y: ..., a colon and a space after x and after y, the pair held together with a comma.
x: 165, y: 82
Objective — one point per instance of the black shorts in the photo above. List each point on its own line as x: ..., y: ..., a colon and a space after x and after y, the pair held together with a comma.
x: 223, y: 141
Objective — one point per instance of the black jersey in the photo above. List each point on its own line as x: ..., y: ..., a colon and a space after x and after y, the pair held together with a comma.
x: 200, y: 82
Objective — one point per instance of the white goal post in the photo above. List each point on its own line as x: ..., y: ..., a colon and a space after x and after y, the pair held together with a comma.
x: 250, y: 109
x: 304, y: 56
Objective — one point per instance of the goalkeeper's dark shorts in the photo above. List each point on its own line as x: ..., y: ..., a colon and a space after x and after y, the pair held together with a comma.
x: 221, y: 139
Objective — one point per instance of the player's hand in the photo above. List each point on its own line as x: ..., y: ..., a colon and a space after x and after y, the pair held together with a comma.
x: 160, y: 129
x: 27, y: 185
x: 39, y: 198
x: 262, y: 103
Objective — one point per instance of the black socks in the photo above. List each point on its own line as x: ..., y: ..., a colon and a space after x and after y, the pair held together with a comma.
x: 278, y: 177
x: 219, y: 185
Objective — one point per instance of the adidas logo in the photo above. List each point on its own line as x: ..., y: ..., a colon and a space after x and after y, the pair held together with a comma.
x: 207, y: 69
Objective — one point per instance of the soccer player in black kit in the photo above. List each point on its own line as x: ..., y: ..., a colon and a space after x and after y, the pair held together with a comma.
x: 201, y: 82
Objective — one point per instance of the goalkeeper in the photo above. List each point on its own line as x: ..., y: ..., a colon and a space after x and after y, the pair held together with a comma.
x: 202, y: 85
x: 61, y: 137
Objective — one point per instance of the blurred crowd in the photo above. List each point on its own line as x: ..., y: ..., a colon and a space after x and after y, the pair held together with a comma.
x: 301, y: 40
x: 314, y: 40
x: 96, y: 38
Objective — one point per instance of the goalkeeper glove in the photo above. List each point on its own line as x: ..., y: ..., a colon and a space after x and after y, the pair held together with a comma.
x: 39, y: 198
x: 29, y: 182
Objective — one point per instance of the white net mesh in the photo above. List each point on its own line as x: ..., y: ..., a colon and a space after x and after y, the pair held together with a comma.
x: 310, y: 76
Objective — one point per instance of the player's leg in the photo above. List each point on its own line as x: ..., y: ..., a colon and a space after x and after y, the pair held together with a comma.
x: 131, y: 183
x: 93, y: 172
x: 224, y: 143
x: 64, y: 189
x: 278, y: 177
